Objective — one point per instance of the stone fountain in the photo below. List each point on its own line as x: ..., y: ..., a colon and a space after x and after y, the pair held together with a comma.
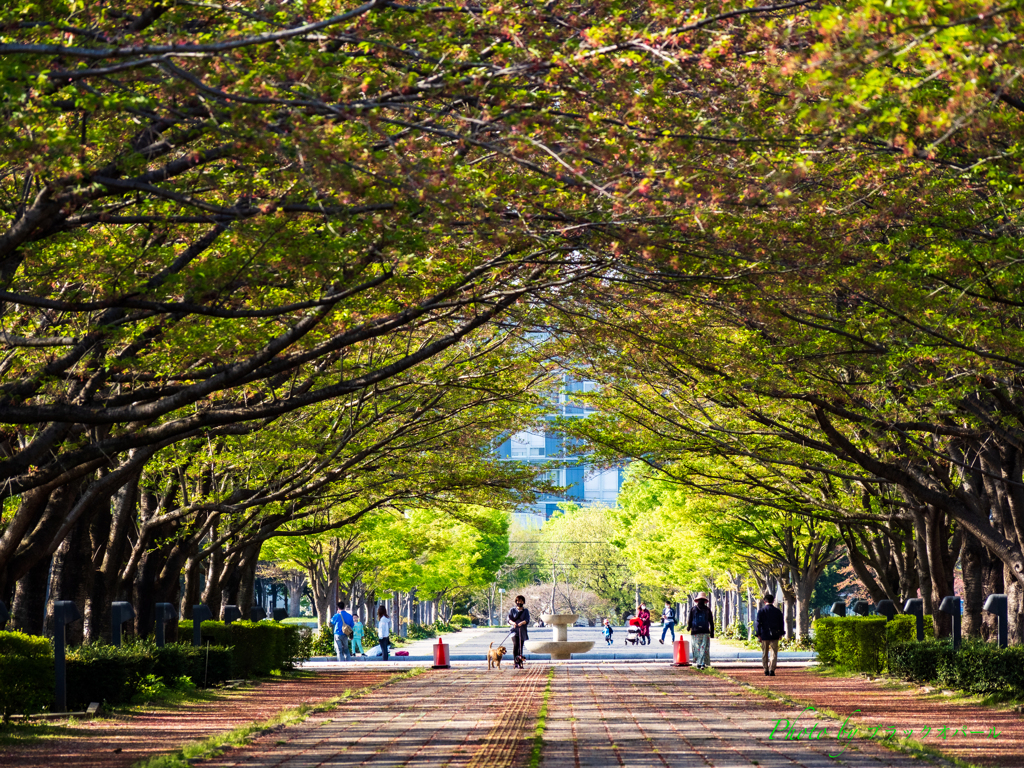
x: 558, y: 646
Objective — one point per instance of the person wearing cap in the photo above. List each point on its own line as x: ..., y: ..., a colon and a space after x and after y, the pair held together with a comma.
x: 769, y: 627
x: 701, y: 626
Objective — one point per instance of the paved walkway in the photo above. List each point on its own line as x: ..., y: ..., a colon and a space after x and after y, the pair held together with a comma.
x: 471, y: 645
x: 598, y: 716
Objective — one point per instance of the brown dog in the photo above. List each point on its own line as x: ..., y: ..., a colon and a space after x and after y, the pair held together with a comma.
x: 494, y: 655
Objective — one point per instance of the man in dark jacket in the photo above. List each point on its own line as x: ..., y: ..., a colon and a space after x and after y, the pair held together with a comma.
x: 769, y: 627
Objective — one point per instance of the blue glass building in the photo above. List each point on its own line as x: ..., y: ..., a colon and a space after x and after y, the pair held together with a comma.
x: 586, y: 484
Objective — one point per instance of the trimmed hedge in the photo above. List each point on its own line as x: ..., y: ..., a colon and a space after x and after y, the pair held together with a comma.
x: 860, y: 643
x: 26, y: 673
x: 258, y: 647
x: 104, y: 673
x: 978, y: 667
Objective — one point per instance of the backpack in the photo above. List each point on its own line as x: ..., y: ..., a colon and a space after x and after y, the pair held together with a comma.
x: 700, y: 623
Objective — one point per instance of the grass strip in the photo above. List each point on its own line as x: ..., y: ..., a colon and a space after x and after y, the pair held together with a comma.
x: 542, y: 721
x: 215, y: 745
x: 906, y: 746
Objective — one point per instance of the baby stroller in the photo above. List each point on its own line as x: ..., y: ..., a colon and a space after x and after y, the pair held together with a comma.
x: 633, y: 631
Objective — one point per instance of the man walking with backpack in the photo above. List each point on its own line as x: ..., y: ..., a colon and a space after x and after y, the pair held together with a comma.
x: 701, y: 626
x: 769, y: 627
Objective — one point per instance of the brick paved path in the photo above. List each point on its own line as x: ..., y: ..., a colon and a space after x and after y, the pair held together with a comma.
x: 598, y: 715
x: 462, y: 718
x: 662, y: 716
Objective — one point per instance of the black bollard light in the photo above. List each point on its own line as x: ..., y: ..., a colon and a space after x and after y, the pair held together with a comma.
x: 64, y: 612
x: 257, y: 613
x: 280, y: 614
x: 915, y: 607
x: 119, y: 613
x: 951, y: 605
x: 887, y: 608
x: 231, y: 613
x: 861, y: 607
x: 997, y: 604
x: 4, y: 614
x: 164, y: 612
x: 839, y: 608
x: 200, y: 613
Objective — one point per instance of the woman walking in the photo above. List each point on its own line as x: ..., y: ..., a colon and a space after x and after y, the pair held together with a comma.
x: 701, y: 626
x: 645, y: 624
x: 383, y: 630
x: 519, y: 619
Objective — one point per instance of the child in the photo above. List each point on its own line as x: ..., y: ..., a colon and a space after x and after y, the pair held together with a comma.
x: 607, y: 629
x: 357, y: 638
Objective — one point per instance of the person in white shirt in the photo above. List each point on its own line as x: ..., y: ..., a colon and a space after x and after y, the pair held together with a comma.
x: 383, y: 630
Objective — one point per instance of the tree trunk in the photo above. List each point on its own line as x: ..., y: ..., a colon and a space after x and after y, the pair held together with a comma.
x: 28, y: 610
x: 972, y: 564
x: 802, y: 604
x: 295, y: 587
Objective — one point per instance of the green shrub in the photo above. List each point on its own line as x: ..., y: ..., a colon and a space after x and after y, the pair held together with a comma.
x: 257, y: 648
x: 107, y: 674
x: 825, y: 633
x: 203, y: 666
x: 461, y: 621
x: 902, y: 629
x: 322, y: 642
x: 977, y: 667
x: 917, y: 661
x: 419, y: 632
x: 851, y: 642
x: 26, y: 673
x: 370, y: 637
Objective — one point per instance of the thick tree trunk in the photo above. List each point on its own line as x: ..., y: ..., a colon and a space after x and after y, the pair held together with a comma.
x: 972, y: 564
x: 28, y: 609
x: 802, y: 604
x: 295, y: 587
x: 246, y: 570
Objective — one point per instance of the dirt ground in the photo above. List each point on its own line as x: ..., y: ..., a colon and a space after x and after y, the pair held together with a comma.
x: 122, y: 742
x: 870, y: 702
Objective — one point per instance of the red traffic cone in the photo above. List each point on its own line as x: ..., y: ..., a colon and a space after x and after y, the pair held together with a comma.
x: 681, y: 653
x: 441, y: 655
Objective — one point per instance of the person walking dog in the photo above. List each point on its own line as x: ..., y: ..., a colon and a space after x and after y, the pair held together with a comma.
x: 769, y: 627
x: 519, y: 619
x: 701, y: 626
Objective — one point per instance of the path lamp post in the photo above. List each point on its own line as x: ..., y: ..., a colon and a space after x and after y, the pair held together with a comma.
x: 915, y: 607
x: 164, y: 612
x: 839, y: 608
x: 64, y: 612
x: 997, y: 604
x: 951, y: 605
x: 232, y: 613
x: 120, y: 612
x: 887, y: 608
x: 4, y: 614
x: 257, y: 613
x: 200, y: 613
